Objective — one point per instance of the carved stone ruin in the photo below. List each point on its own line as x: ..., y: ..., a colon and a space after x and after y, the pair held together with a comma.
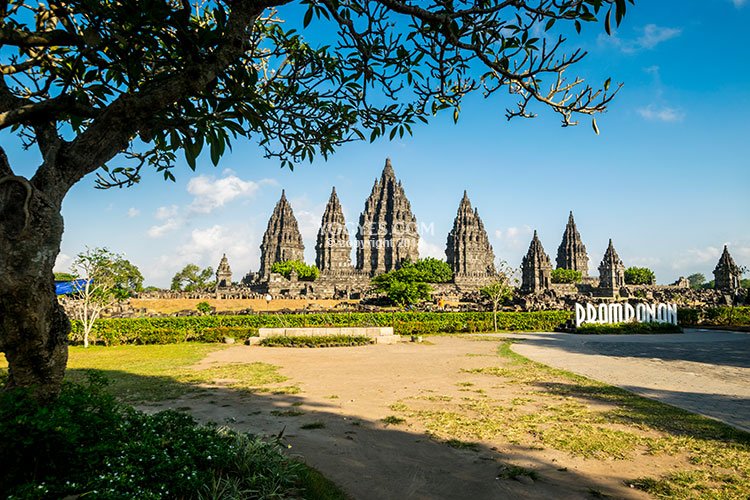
x: 571, y: 254
x: 536, y: 268
x: 611, y: 270
x: 333, y: 248
x: 727, y: 274
x: 387, y: 233
x: 468, y: 248
x: 282, y: 240
x: 223, y: 274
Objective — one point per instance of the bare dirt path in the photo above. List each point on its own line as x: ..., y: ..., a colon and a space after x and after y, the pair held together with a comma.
x: 347, y: 392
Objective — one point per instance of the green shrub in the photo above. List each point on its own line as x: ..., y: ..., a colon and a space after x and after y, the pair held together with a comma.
x: 304, y: 272
x: 432, y: 270
x: 88, y: 444
x: 203, y: 307
x: 316, y: 341
x: 119, y: 331
x: 561, y: 275
x: 403, y: 287
x: 639, y: 276
x: 628, y: 329
x: 715, y: 316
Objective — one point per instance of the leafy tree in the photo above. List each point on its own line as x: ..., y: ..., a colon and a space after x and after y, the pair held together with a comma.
x: 498, y: 292
x: 432, y: 270
x: 112, y: 87
x: 64, y: 277
x: 639, y: 276
x: 561, y: 275
x: 203, y: 307
x: 304, y: 271
x: 105, y: 278
x: 192, y: 278
x: 696, y: 280
x: 403, y: 287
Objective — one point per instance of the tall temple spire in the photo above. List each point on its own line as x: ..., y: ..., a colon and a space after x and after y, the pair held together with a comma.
x: 536, y: 268
x: 387, y: 233
x: 468, y: 248
x: 727, y: 274
x: 611, y: 269
x: 282, y: 239
x: 333, y: 248
x: 571, y: 254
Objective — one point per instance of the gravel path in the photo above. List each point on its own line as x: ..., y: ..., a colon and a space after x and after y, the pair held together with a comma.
x: 707, y: 372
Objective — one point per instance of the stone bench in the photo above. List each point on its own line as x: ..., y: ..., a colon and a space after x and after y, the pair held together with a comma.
x: 379, y: 334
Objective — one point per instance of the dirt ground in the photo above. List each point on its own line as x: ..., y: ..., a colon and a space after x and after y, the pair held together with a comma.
x: 345, y: 393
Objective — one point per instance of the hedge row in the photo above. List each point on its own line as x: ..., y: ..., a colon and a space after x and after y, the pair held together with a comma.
x: 715, y: 316
x: 317, y: 341
x: 628, y: 329
x: 215, y: 328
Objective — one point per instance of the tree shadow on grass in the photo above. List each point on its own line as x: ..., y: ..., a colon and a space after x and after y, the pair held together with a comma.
x: 367, y: 459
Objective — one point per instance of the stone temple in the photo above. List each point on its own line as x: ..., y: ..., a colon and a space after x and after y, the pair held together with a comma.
x: 223, y: 273
x: 282, y: 239
x: 468, y: 248
x: 571, y: 254
x: 387, y: 233
x: 611, y: 271
x: 536, y: 268
x: 727, y: 274
x: 333, y: 249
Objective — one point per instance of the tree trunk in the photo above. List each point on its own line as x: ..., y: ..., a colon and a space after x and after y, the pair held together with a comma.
x: 33, y: 326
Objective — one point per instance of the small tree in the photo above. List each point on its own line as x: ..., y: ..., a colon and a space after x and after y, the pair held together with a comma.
x: 639, y: 276
x: 304, y: 272
x: 102, y: 279
x: 403, y: 286
x: 500, y: 290
x: 432, y: 270
x: 561, y: 275
x: 696, y: 280
x: 191, y: 278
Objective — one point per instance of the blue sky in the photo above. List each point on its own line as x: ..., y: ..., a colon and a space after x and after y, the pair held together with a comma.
x: 667, y: 179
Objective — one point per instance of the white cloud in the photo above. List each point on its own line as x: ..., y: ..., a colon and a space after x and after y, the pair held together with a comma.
x: 210, y: 193
x: 62, y: 263
x: 164, y: 213
x: 649, y: 37
x: 696, y: 257
x: 159, y: 230
x: 133, y: 212
x: 667, y: 114
x: 429, y: 249
x: 739, y: 3
x: 514, y: 236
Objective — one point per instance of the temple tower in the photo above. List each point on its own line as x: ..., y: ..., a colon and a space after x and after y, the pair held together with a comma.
x: 468, y: 248
x: 571, y: 254
x: 333, y: 248
x: 727, y: 274
x: 387, y: 233
x: 223, y: 273
x: 536, y: 268
x: 611, y: 270
x: 282, y: 239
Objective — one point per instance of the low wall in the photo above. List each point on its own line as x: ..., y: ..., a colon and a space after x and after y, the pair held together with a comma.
x: 381, y: 335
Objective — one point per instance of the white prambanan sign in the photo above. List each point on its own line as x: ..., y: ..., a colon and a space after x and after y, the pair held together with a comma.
x: 624, y: 313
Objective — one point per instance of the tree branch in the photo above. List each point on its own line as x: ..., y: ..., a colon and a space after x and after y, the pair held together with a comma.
x: 5, y: 169
x: 25, y: 112
x: 27, y: 39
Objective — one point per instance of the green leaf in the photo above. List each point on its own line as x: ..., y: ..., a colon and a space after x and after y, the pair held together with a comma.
x: 593, y: 125
x: 607, y: 83
x: 607, y: 25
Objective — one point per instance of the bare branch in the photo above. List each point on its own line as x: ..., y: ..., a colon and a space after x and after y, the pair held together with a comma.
x: 28, y: 39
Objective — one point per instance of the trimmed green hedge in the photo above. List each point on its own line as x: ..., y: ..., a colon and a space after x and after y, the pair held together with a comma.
x: 317, y: 341
x: 215, y: 328
x: 628, y: 329
x: 715, y: 316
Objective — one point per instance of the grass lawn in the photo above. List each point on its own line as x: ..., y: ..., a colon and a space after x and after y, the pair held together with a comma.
x: 555, y: 409
x: 147, y: 373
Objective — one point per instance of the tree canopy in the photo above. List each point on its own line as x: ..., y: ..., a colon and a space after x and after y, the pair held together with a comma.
x: 304, y: 271
x: 639, y: 276
x: 192, y: 278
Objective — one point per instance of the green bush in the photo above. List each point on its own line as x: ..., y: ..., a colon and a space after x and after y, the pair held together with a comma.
x: 203, y: 307
x: 432, y: 270
x: 88, y: 444
x: 715, y: 316
x: 304, y: 272
x: 639, y: 276
x: 317, y: 341
x: 628, y: 329
x: 561, y: 275
x: 403, y: 287
x: 118, y: 331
